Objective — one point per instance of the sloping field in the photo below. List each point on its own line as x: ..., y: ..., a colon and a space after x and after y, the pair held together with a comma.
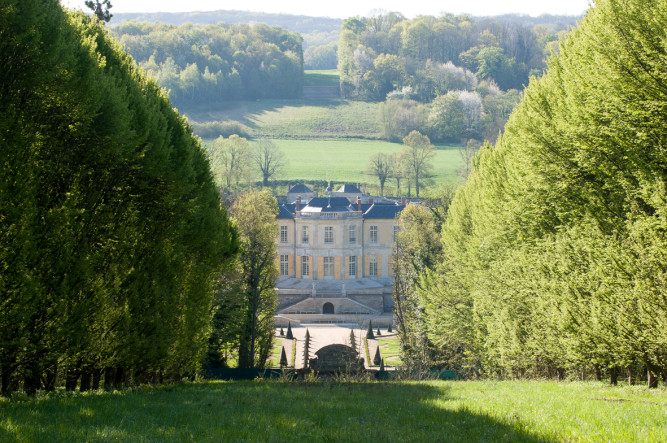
x: 296, y: 119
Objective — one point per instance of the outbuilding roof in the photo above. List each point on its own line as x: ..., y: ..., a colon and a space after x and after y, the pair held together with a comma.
x: 299, y: 189
x: 349, y: 189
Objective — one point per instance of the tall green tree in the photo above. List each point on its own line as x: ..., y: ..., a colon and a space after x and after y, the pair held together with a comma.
x: 255, y: 216
x: 417, y: 155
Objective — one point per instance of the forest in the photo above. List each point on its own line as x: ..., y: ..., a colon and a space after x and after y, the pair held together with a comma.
x: 205, y: 64
x: 551, y: 258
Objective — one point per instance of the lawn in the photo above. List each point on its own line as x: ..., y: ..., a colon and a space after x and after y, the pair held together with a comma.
x: 329, y: 411
x: 345, y: 161
x: 390, y: 349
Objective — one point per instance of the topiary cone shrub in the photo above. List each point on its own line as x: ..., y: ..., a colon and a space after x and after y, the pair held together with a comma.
x: 382, y: 365
x: 281, y: 331
x: 289, y: 335
x: 369, y: 333
x: 389, y: 331
x: 283, y: 358
x: 377, y: 360
x: 378, y: 331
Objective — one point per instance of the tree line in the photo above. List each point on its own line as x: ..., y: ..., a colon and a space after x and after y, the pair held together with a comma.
x: 551, y: 260
x: 205, y: 64
x: 386, y: 52
x: 113, y: 239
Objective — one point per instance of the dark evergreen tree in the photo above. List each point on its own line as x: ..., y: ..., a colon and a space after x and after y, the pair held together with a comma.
x: 369, y: 333
x: 377, y: 360
x: 289, y: 334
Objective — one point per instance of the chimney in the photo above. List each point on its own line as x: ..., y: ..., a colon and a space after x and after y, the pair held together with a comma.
x: 404, y: 201
x: 298, y: 203
x: 358, y: 203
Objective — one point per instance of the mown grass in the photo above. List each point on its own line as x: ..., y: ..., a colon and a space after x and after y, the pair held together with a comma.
x: 390, y: 349
x: 324, y: 77
x: 346, y: 160
x: 329, y: 411
x: 296, y: 119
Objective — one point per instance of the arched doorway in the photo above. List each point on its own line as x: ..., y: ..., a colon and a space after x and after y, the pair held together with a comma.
x: 328, y: 308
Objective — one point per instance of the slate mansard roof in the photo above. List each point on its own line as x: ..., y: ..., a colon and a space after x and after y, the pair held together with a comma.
x: 386, y: 211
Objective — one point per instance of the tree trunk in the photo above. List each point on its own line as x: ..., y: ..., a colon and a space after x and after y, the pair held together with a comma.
x: 598, y: 373
x: 97, y: 376
x: 8, y: 383
x: 50, y: 378
x: 613, y: 375
x: 119, y: 379
x: 86, y: 378
x: 561, y: 374
x: 653, y: 371
x: 109, y: 376
x: 31, y: 381
x: 71, y: 379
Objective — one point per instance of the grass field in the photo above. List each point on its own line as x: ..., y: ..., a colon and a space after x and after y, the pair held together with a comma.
x: 345, y: 161
x: 328, y: 411
x: 296, y: 119
x: 327, y: 77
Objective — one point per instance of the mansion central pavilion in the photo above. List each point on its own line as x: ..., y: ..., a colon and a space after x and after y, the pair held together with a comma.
x: 335, y: 256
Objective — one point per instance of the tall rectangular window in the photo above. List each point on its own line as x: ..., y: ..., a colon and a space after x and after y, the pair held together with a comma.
x: 373, y: 266
x: 284, y: 265
x: 353, y: 235
x: 396, y: 229
x: 305, y: 269
x: 353, y: 266
x: 304, y: 234
x: 328, y: 267
x: 328, y: 234
x: 283, y: 234
x: 373, y: 237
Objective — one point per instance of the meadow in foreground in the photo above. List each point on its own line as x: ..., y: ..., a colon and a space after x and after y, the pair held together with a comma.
x: 327, y: 411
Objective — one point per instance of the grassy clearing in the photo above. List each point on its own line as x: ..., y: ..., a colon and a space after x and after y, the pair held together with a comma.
x: 327, y: 77
x: 296, y: 119
x: 323, y: 411
x: 345, y: 161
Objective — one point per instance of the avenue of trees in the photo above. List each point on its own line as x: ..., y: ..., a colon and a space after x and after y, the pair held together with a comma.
x: 112, y: 234
x: 553, y: 253
x: 204, y: 64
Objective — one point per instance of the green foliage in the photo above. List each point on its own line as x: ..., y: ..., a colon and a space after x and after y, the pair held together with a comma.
x: 289, y: 334
x: 387, y: 52
x: 552, y: 248
x: 111, y: 230
x: 369, y: 333
x: 210, y: 63
x: 254, y: 214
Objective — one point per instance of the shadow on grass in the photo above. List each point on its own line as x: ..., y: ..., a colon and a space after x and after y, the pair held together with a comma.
x: 259, y: 411
x: 247, y: 111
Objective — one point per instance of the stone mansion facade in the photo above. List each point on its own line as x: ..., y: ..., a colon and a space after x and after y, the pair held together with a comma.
x: 335, y: 256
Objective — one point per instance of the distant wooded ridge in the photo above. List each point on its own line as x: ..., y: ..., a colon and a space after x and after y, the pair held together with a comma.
x: 306, y: 24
